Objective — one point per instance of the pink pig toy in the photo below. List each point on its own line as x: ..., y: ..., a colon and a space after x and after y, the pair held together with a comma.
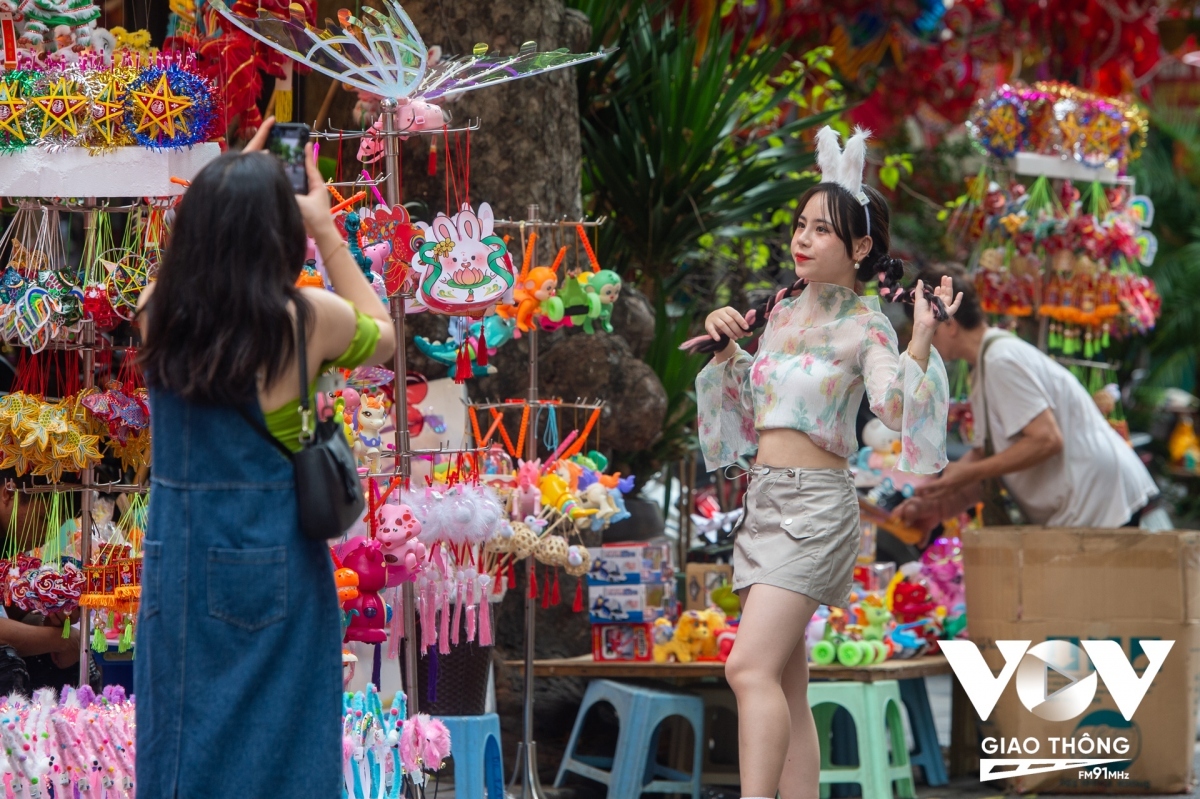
x: 412, y: 116
x: 397, y: 533
x: 369, y: 613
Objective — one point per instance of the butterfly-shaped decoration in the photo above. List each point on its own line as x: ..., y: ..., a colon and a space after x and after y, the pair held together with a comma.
x: 382, y: 53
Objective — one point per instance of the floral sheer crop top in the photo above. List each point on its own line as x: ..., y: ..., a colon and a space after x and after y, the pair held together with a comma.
x: 819, y: 351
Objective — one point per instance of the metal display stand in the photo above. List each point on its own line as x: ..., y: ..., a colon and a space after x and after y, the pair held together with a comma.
x: 525, y: 782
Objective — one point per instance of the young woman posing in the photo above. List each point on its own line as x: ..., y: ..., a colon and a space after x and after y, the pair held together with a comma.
x: 795, y: 401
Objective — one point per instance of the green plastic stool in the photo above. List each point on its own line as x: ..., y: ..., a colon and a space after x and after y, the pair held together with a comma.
x: 875, y: 709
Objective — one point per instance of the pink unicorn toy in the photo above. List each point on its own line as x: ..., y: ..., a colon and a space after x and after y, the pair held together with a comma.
x: 527, y: 499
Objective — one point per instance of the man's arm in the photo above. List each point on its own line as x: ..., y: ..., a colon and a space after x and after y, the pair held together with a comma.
x: 1037, y: 442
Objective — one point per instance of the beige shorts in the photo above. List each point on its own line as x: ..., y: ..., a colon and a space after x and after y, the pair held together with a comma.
x: 800, y: 532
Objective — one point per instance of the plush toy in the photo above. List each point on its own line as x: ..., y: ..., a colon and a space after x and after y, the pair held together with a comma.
x: 674, y: 643
x: 712, y: 624
x: 368, y: 612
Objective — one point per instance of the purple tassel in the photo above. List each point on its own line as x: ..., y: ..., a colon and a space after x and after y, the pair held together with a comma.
x: 377, y: 665
x: 432, y: 676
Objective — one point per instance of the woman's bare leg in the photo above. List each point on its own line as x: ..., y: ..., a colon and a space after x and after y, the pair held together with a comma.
x: 802, y: 770
x: 770, y: 632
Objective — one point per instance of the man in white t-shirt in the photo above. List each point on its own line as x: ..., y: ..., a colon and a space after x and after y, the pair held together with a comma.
x: 1056, y: 454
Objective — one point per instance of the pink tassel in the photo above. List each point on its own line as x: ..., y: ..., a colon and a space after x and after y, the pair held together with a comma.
x: 458, y: 608
x: 470, y: 610
x: 8, y: 789
x: 485, y: 612
x: 444, y: 630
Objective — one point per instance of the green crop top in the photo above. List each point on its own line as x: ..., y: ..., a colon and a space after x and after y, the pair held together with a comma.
x: 284, y: 422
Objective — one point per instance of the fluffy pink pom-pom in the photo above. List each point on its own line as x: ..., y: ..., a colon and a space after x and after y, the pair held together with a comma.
x: 424, y: 743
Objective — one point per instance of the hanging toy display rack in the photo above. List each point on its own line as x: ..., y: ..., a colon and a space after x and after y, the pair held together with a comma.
x: 85, y: 341
x: 527, y: 771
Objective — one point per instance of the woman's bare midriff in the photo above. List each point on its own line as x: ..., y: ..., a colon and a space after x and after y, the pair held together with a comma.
x: 795, y: 450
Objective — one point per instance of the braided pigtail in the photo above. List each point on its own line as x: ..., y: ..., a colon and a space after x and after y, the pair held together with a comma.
x: 889, y: 271
x: 756, y: 318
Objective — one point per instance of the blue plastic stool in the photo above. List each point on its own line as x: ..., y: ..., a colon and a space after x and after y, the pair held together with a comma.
x: 928, y: 754
x: 633, y: 769
x: 475, y: 750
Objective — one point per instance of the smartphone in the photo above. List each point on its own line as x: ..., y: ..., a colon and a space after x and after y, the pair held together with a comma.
x: 286, y: 142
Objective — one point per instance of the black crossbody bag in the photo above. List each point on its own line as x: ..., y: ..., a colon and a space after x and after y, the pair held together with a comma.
x: 328, y: 494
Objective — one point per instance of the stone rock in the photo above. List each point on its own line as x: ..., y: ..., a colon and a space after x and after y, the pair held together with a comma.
x: 633, y: 320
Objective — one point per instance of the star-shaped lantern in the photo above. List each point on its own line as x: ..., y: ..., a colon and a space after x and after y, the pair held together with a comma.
x: 107, y: 110
x: 161, y: 109
x: 60, y: 108
x: 11, y: 109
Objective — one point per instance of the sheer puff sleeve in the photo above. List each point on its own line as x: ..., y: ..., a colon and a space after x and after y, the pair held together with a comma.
x: 912, y: 402
x: 726, y: 410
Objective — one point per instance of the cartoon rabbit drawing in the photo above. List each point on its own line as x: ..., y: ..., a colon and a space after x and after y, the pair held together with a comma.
x: 464, y: 266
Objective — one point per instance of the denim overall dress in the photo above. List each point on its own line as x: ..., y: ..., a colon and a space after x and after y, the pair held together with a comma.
x: 238, y: 666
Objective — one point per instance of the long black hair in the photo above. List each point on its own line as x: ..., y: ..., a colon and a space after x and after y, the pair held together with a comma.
x: 220, y: 315
x: 849, y: 219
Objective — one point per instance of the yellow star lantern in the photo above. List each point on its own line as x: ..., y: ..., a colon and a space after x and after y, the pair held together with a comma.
x: 1072, y: 131
x: 107, y: 111
x: 11, y: 109
x: 160, y: 108
x: 60, y: 108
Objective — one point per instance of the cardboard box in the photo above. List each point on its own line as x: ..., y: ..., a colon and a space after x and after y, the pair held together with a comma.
x: 629, y: 564
x: 702, y: 578
x: 622, y: 642
x: 1038, y: 584
x: 633, y: 604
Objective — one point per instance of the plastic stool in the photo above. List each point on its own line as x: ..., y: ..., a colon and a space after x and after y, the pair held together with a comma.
x: 875, y: 709
x: 928, y: 754
x: 475, y: 750
x: 633, y: 769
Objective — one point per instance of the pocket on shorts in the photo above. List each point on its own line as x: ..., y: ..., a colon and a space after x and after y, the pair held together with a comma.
x: 828, y: 503
x: 780, y: 506
x: 248, y: 587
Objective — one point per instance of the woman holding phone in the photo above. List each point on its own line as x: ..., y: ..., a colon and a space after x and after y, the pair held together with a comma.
x: 238, y: 673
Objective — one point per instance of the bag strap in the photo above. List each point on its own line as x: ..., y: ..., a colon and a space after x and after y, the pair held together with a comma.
x: 988, y: 448
x: 307, y: 430
x: 262, y: 430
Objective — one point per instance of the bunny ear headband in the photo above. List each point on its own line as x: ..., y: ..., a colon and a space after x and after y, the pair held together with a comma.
x: 844, y: 167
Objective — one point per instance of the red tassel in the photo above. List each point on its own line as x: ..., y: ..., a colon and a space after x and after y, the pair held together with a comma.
x: 462, y: 369
x: 546, y: 594
x: 481, y: 353
x: 432, y: 168
x: 578, y: 606
x: 556, y: 597
x: 533, y: 586
x: 512, y: 577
